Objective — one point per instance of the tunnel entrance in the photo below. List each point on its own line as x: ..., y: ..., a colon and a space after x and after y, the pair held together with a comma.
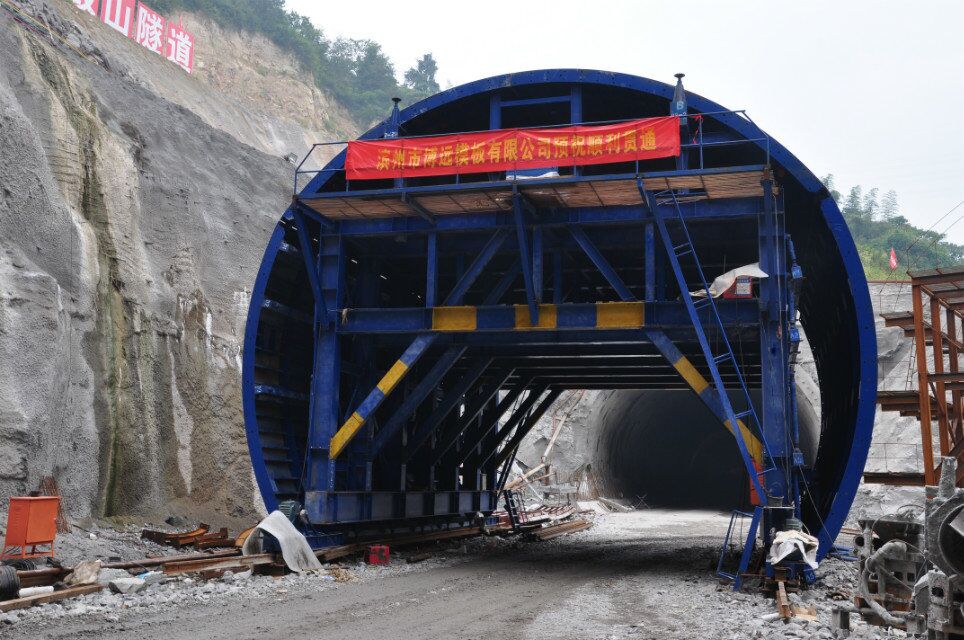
x: 408, y: 329
x: 665, y: 449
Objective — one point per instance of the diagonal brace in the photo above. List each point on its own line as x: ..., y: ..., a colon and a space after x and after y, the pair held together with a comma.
x: 472, y: 412
x: 411, y: 402
x: 602, y: 264
x: 448, y: 403
x: 419, y: 346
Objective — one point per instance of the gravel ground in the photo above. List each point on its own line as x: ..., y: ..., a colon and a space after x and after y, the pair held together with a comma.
x: 646, y: 574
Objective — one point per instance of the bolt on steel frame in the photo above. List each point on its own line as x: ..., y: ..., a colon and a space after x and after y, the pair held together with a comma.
x: 405, y: 335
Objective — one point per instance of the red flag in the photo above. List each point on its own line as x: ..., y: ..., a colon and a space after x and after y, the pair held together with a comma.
x: 893, y: 259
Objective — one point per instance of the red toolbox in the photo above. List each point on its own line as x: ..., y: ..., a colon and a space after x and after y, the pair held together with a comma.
x: 378, y: 554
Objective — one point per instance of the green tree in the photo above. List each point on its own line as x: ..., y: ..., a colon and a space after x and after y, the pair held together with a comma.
x: 854, y: 205
x: 888, y: 206
x: 871, y: 206
x: 356, y: 72
x: 421, y: 78
x: 828, y: 182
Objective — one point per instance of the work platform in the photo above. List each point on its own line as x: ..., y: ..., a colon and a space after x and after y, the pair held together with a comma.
x: 406, y: 334
x: 546, y: 193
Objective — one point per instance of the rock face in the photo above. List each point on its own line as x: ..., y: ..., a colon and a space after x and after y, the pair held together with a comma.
x: 135, y: 202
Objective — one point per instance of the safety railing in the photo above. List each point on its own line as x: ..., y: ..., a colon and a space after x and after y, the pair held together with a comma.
x: 696, y: 145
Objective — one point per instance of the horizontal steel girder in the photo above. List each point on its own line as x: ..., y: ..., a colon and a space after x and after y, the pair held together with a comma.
x: 598, y: 316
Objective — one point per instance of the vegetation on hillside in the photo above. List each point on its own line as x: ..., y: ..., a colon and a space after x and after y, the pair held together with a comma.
x: 877, y: 226
x: 356, y: 72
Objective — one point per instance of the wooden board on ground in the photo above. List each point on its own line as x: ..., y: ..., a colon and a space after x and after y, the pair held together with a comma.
x: 237, y: 562
x: 783, y: 601
x: 44, y: 598
x: 561, y: 529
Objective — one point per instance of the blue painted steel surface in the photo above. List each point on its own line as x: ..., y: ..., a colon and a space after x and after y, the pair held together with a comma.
x: 834, y: 302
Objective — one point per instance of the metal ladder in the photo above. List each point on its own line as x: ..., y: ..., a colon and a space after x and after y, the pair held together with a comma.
x: 516, y: 508
x: 681, y: 246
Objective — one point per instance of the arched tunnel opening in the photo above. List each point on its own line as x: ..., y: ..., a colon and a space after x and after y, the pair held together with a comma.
x: 665, y: 449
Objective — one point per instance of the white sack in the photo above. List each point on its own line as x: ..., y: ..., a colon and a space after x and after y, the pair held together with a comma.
x: 725, y: 281
x: 295, y: 549
x: 786, y: 542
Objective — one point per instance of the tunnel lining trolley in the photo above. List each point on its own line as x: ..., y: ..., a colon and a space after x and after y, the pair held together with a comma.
x: 434, y: 321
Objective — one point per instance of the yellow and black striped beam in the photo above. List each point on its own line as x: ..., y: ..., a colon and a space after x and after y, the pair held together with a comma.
x: 601, y: 315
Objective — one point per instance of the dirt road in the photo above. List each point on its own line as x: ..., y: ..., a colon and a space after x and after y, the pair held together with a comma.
x: 639, y: 575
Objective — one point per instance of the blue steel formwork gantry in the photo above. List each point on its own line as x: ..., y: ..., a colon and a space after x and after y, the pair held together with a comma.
x: 404, y: 335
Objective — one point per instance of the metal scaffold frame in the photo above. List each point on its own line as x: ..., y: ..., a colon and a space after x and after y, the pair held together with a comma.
x: 935, y: 323
x: 444, y: 317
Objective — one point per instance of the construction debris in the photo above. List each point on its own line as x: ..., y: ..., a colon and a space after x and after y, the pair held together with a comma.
x: 199, y: 538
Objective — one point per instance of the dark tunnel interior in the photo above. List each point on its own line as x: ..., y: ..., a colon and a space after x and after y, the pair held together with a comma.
x: 666, y: 449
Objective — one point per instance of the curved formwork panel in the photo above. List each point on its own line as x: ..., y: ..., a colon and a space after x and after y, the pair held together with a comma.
x: 405, y: 333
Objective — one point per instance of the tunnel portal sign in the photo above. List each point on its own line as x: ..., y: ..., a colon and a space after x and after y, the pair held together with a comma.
x: 148, y: 28
x: 513, y: 149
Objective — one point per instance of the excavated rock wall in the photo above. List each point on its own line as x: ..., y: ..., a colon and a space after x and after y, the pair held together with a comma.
x: 135, y: 202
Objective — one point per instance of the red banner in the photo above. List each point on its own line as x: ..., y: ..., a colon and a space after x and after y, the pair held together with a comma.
x: 513, y: 149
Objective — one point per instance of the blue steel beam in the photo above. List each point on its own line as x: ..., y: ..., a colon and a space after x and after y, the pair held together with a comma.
x: 467, y: 187
x: 311, y: 265
x: 491, y: 421
x: 499, y: 290
x: 452, y: 398
x: 602, y: 264
x: 480, y: 262
x: 572, y: 316
x: 425, y: 386
x: 520, y: 228
x: 733, y: 209
x: 537, y: 264
x: 519, y: 414
x: 523, y: 429
x: 419, y: 346
x: 472, y: 412
x: 431, y: 269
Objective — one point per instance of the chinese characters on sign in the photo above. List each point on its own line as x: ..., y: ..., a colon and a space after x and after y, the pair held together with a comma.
x: 90, y: 6
x: 180, y: 46
x: 118, y: 14
x: 513, y: 149
x: 150, y: 29
x: 147, y: 27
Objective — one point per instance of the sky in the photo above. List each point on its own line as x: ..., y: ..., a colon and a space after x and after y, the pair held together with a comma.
x: 872, y: 92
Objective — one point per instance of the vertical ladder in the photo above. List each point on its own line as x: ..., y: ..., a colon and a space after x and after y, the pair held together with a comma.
x: 678, y: 246
x: 516, y: 508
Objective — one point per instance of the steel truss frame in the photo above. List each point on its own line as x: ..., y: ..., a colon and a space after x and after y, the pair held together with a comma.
x: 423, y: 438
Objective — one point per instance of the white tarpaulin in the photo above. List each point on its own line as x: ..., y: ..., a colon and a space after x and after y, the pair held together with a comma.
x: 725, y: 281
x: 787, y: 542
x: 295, y: 549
